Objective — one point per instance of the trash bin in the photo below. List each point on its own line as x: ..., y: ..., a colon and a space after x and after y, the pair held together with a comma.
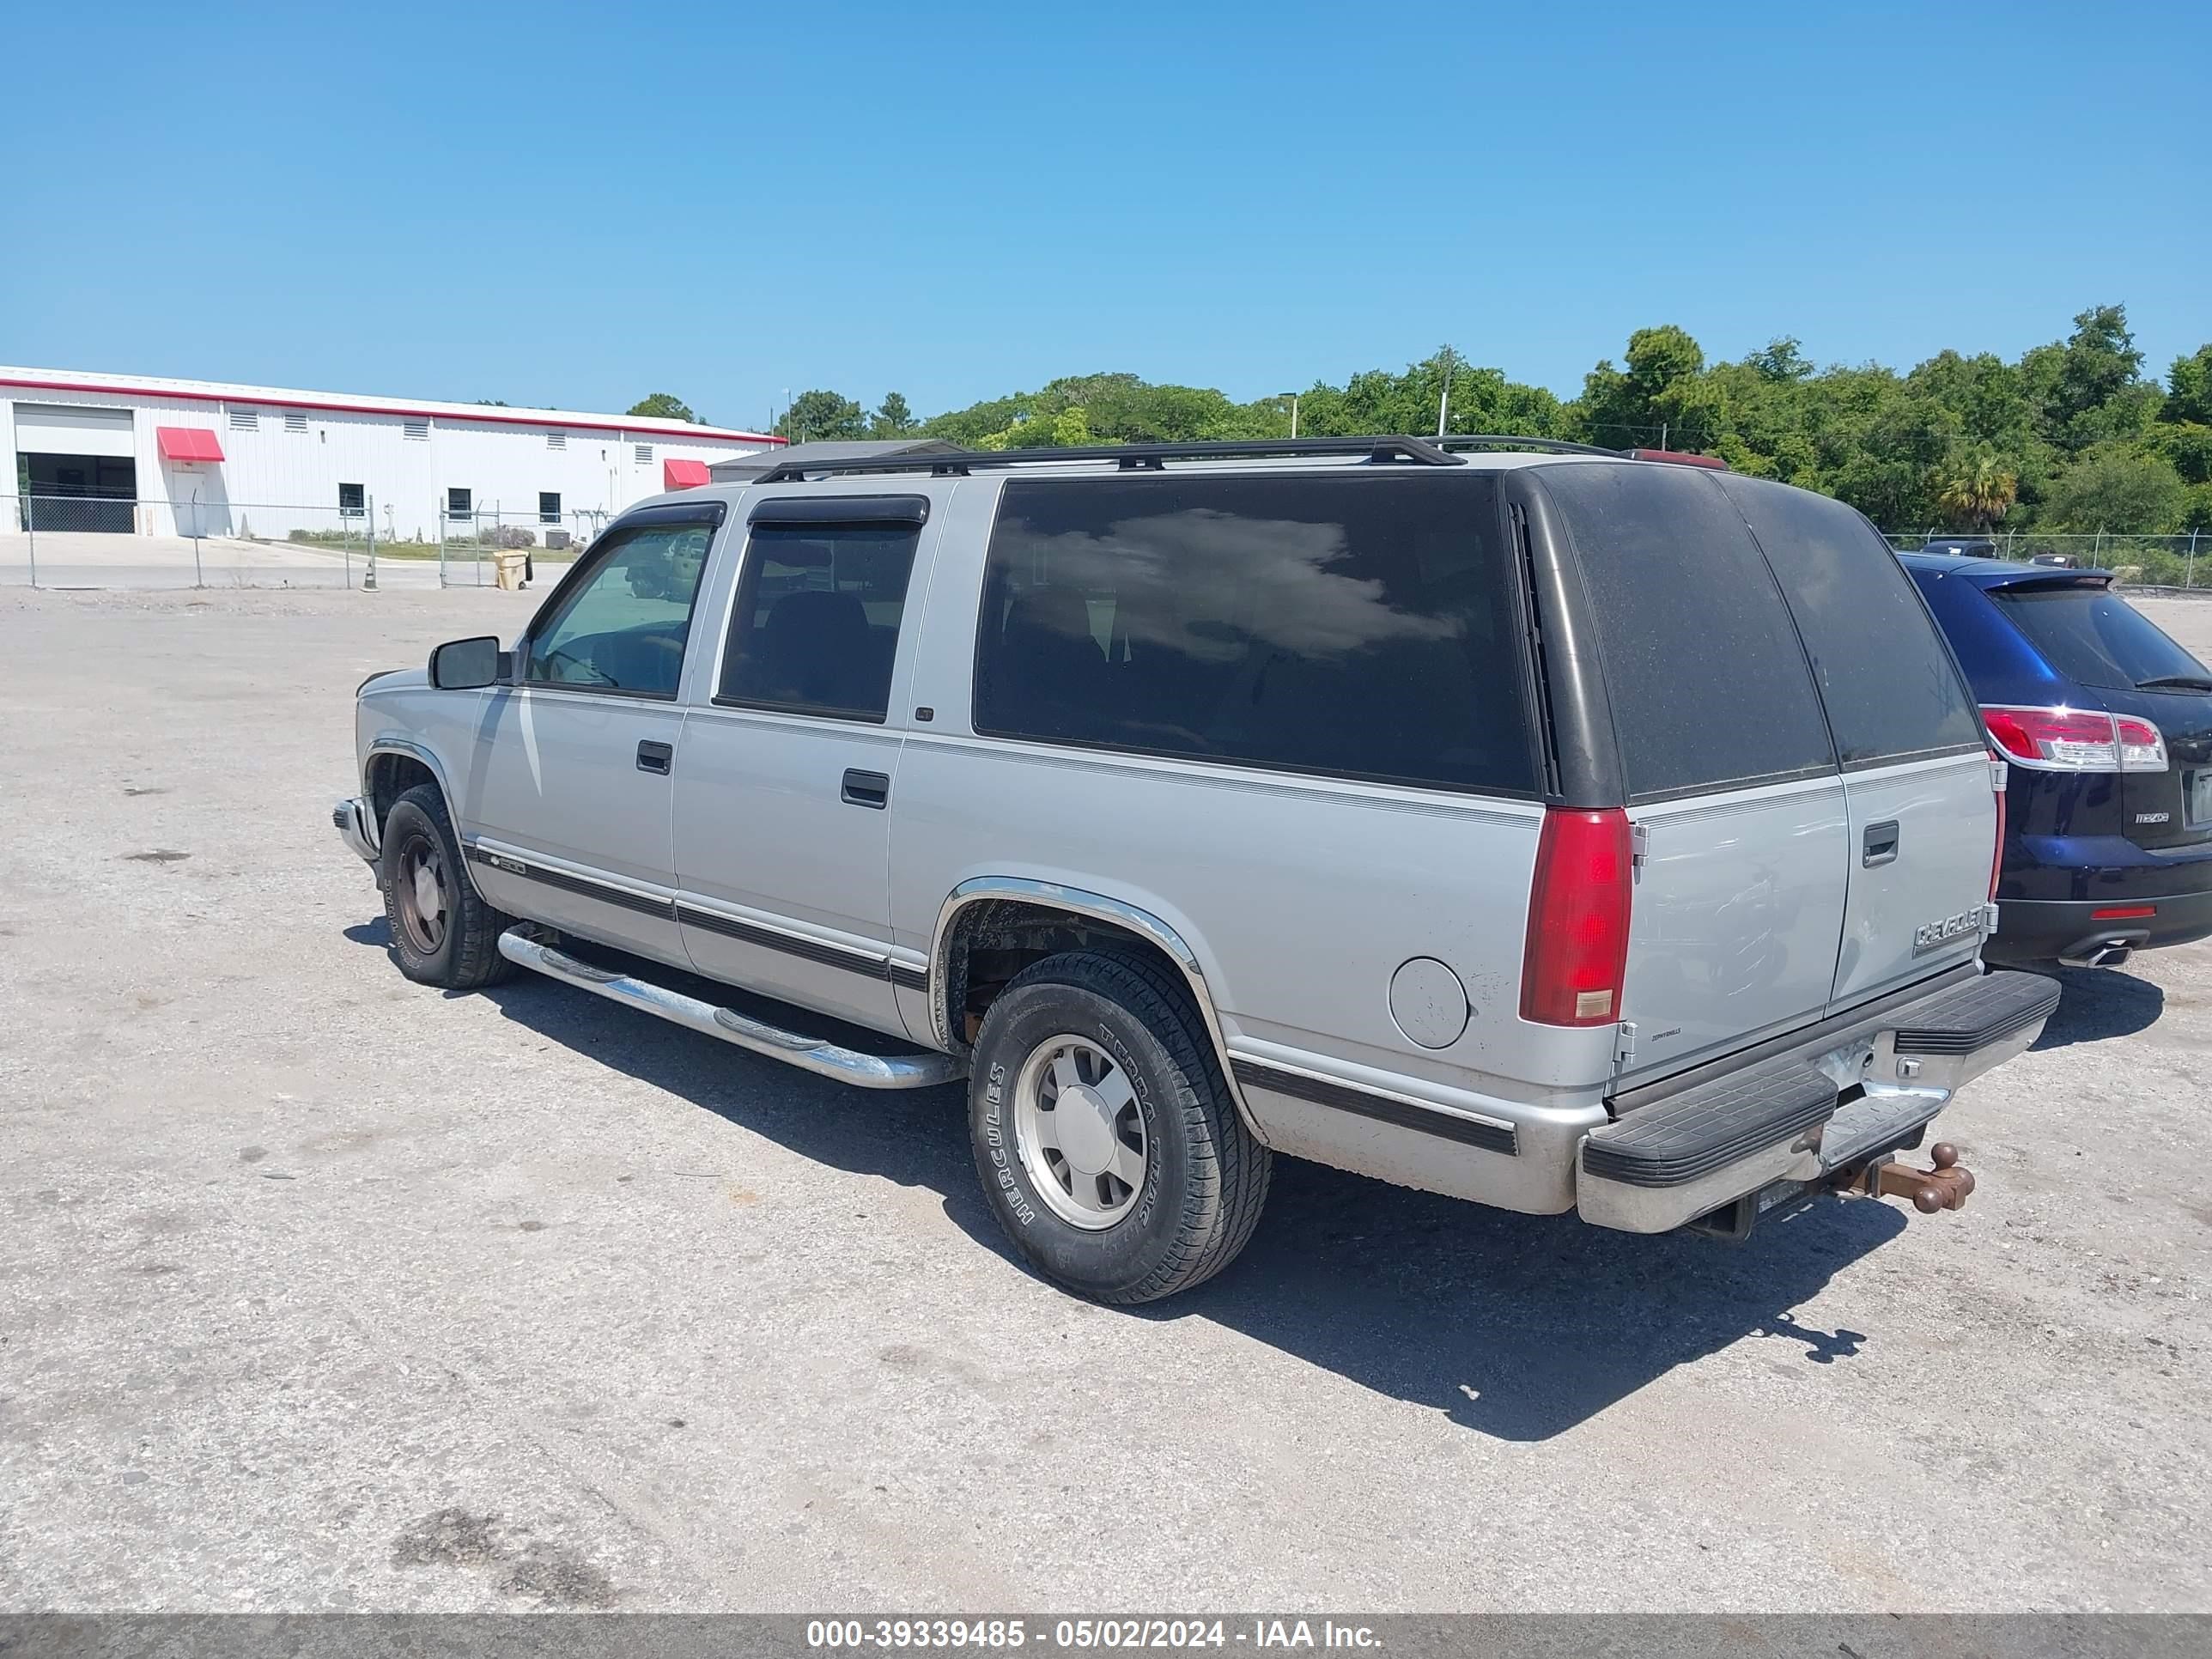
x: 509, y: 563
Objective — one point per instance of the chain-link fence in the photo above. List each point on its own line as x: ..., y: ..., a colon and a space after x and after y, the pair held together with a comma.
x: 2140, y: 561
x: 469, y: 539
x: 92, y: 538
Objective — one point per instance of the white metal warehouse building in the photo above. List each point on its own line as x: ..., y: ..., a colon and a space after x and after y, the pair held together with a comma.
x: 137, y: 455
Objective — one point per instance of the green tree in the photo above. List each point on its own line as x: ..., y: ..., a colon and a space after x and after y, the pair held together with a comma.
x: 822, y: 416
x: 664, y: 406
x: 892, y: 419
x: 1657, y: 391
x: 2116, y: 487
x: 2095, y: 391
x: 2188, y: 389
x: 1975, y: 489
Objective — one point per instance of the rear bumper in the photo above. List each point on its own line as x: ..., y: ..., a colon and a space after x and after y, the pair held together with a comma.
x: 2041, y: 930
x: 1818, y: 1110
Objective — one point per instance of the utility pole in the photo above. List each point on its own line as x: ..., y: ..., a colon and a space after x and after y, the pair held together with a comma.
x: 1293, y: 397
x: 1663, y: 435
x: 1444, y: 404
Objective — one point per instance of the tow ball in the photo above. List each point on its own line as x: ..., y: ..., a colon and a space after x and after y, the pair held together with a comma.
x: 1944, y: 1187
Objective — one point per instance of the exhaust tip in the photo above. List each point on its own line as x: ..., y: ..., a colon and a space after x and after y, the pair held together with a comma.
x: 2111, y: 954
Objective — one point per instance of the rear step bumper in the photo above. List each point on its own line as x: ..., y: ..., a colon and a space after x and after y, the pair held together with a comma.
x: 1818, y: 1114
x: 808, y: 1053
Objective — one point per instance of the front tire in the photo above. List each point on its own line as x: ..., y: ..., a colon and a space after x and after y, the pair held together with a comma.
x: 442, y: 934
x: 1108, y: 1144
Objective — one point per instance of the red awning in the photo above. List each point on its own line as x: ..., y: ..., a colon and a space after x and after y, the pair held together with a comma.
x: 683, y: 475
x: 188, y: 443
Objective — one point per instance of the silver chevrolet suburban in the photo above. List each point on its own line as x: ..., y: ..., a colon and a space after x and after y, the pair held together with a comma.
x: 1553, y: 827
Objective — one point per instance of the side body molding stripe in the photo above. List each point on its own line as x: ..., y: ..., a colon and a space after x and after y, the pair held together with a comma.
x: 809, y: 950
x: 1437, y: 1120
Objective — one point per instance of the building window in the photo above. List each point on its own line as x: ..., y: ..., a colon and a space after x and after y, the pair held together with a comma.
x: 556, y: 441
x: 353, y: 500
x: 416, y: 430
x: 294, y: 420
x: 458, y: 504
x: 244, y: 420
x: 548, y: 506
x: 645, y: 454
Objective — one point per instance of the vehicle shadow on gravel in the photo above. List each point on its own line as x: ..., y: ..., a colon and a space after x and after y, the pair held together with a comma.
x: 916, y: 1137
x: 2096, y: 1003
x: 1518, y: 1326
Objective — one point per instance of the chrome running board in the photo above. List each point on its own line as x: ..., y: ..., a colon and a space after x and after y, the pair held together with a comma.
x: 809, y: 1053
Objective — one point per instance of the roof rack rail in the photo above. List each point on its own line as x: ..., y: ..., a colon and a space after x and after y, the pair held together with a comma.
x: 1514, y: 441
x: 1133, y: 457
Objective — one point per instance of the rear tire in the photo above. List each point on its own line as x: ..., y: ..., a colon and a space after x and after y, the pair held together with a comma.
x: 442, y: 934
x: 1108, y: 1144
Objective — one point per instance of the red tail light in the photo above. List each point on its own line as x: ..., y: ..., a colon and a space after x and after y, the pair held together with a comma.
x: 2074, y: 739
x: 1578, y: 948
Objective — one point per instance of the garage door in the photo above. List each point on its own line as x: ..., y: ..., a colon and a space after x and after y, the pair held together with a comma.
x: 73, y: 429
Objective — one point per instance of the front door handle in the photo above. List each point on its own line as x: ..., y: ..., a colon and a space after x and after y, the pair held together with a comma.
x: 655, y: 756
x: 1880, y: 843
x: 866, y: 789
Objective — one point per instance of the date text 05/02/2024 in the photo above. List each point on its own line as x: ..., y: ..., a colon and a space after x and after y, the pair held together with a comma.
x: 1087, y: 1634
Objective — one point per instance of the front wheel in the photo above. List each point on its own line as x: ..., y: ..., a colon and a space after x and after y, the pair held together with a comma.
x: 1108, y: 1144
x: 442, y: 932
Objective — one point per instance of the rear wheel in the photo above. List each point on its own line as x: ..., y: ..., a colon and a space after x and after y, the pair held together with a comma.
x: 442, y: 932
x: 1104, y: 1133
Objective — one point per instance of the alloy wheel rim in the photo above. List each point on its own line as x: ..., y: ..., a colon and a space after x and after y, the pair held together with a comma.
x: 420, y: 886
x: 1080, y: 1133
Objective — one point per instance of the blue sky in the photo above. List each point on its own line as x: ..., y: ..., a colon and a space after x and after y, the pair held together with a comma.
x: 576, y: 206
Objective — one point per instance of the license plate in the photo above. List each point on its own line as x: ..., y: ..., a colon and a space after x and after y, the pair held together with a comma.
x: 2198, y: 800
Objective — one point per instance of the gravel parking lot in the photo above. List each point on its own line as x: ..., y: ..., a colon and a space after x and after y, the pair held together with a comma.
x: 324, y: 1290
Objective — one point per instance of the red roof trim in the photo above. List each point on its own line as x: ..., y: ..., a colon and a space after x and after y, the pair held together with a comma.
x: 187, y: 443
x: 678, y: 474
x: 656, y: 428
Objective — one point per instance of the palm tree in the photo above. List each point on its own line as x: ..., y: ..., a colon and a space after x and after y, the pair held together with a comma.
x: 1977, y: 487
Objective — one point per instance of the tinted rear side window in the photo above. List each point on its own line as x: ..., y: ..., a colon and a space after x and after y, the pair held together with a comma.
x: 1891, y: 689
x: 1362, y: 625
x: 2095, y: 637
x: 1707, y: 681
x: 816, y: 621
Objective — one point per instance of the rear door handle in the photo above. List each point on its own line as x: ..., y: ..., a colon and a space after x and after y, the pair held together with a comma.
x: 866, y: 789
x: 655, y: 756
x: 1880, y: 843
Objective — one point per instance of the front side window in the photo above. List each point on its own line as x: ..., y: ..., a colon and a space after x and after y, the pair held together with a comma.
x: 1361, y: 625
x: 623, y: 626
x: 816, y: 621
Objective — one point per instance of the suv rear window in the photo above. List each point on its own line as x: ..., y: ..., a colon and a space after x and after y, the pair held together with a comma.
x: 2095, y: 637
x: 1708, y: 683
x: 1891, y: 690
x: 1363, y: 625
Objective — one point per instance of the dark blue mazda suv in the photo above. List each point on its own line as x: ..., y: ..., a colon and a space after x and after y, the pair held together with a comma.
x: 2105, y: 726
